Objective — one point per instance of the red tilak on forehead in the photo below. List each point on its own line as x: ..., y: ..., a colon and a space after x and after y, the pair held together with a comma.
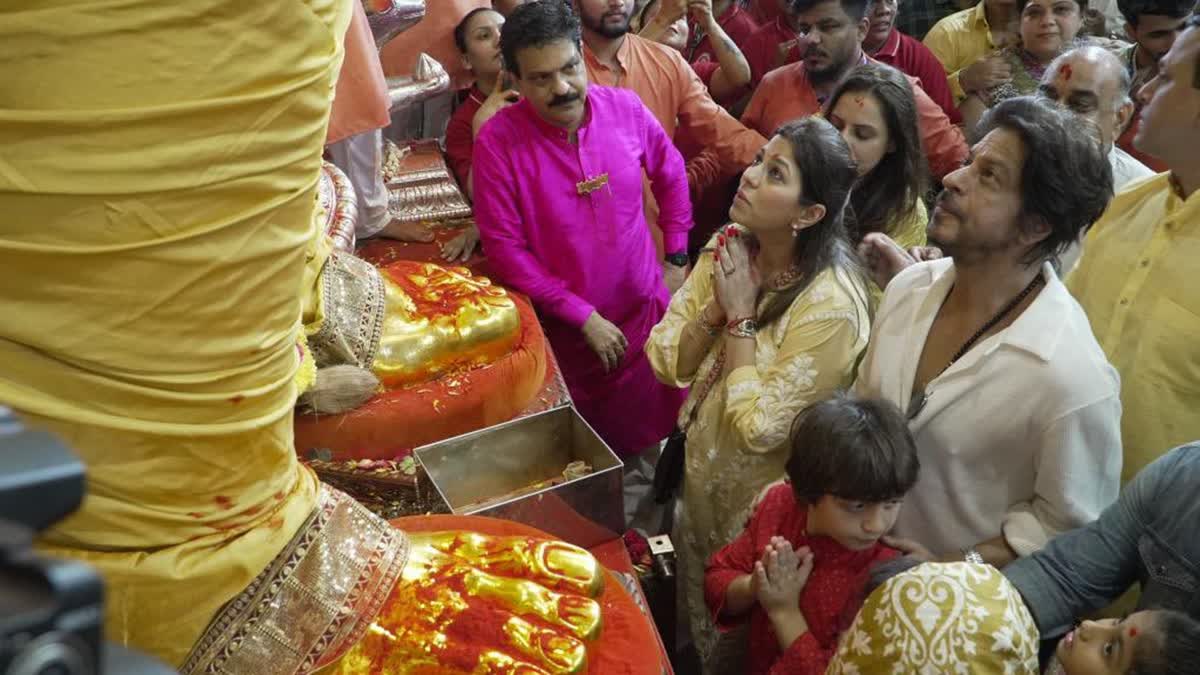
x: 1133, y: 631
x: 1065, y: 71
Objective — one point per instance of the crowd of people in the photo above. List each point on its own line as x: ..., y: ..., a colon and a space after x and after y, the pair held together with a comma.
x: 998, y: 318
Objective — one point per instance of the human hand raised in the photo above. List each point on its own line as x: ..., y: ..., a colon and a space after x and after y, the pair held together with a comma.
x: 784, y: 50
x: 700, y: 10
x: 990, y: 70
x: 736, y: 279
x: 884, y: 258
x: 501, y: 96
x: 780, y: 575
x: 606, y: 340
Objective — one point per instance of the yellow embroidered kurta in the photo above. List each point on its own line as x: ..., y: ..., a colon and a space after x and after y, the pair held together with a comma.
x: 158, y: 173
x: 739, y: 441
x: 1137, y: 283
x: 958, y: 41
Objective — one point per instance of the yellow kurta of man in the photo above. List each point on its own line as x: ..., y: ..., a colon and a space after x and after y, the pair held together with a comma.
x: 1137, y: 283
x: 158, y: 166
x: 958, y: 41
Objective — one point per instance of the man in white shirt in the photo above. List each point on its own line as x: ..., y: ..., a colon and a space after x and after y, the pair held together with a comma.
x: 1013, y: 405
x: 1093, y: 83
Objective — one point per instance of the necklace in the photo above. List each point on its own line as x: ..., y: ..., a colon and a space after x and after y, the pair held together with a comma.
x: 919, y: 398
x: 783, y: 279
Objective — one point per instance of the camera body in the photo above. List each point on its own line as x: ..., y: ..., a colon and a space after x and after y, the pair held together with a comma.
x: 53, y: 614
x: 51, y: 610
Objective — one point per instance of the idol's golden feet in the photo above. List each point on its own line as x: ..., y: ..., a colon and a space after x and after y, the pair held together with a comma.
x: 471, y: 603
x: 552, y: 563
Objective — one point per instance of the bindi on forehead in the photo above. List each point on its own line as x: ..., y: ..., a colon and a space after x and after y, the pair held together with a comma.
x: 1065, y: 70
x: 1133, y: 631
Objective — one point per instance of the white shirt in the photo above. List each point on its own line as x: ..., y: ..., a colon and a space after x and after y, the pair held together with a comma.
x: 1125, y: 168
x: 1022, y: 435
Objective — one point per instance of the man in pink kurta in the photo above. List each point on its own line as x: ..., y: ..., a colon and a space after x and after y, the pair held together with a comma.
x: 558, y: 201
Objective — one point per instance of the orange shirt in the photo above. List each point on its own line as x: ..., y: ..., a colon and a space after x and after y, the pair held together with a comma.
x: 360, y: 99
x: 433, y: 35
x: 677, y: 98
x: 786, y: 94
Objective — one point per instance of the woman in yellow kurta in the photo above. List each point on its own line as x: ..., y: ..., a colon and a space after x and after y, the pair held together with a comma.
x: 877, y: 115
x: 757, y: 336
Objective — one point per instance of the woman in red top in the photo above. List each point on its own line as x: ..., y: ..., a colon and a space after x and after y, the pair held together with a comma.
x: 478, y: 39
x: 800, y: 565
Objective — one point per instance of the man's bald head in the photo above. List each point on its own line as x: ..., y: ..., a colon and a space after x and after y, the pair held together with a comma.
x: 1092, y: 83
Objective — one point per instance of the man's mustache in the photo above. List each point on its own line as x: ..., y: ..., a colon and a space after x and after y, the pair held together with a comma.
x: 943, y: 203
x: 563, y: 99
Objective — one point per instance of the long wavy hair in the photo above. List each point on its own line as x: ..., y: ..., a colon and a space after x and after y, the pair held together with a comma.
x: 827, y: 173
x: 888, y: 195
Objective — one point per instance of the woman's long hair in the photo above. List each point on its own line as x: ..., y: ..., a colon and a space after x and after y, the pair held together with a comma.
x: 888, y: 195
x: 827, y: 173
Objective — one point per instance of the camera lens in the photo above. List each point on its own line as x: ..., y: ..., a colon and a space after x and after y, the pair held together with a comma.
x: 52, y: 654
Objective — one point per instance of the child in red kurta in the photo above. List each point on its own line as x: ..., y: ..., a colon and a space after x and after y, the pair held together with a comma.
x: 800, y: 565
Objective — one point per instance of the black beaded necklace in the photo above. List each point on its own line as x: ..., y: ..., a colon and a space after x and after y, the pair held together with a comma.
x: 919, y: 398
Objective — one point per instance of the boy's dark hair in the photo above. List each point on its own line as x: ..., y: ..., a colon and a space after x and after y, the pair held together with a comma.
x: 1132, y: 10
x: 852, y: 448
x: 537, y: 24
x: 1066, y: 181
x: 855, y: 9
x: 460, y: 31
x: 1178, y: 652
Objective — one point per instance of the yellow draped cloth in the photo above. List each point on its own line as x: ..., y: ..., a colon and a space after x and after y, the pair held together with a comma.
x: 158, y: 162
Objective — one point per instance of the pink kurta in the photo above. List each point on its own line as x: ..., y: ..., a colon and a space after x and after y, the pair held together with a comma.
x: 577, y: 253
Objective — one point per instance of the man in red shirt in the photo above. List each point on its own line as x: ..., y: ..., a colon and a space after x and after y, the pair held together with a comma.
x: 886, y: 44
x: 834, y: 31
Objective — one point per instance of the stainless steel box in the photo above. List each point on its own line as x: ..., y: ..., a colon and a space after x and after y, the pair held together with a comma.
x: 496, y: 461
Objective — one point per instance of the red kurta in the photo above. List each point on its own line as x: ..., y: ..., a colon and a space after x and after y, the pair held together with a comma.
x: 829, y: 600
x: 913, y: 58
x: 459, y: 138
x: 762, y: 47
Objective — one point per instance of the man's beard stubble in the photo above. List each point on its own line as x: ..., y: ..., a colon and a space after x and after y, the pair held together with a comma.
x: 608, y: 31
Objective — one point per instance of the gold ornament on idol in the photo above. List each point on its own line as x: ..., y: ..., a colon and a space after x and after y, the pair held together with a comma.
x: 437, y: 319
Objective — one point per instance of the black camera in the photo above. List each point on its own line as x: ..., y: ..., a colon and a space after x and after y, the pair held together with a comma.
x: 51, y: 610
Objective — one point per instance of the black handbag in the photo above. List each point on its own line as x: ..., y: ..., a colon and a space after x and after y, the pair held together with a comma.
x: 668, y: 472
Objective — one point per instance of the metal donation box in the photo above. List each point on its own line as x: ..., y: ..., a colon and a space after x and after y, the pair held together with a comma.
x: 548, y: 470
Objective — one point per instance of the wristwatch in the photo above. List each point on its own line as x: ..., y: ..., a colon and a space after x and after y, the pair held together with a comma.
x: 742, y: 328
x: 677, y: 259
x: 972, y: 556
